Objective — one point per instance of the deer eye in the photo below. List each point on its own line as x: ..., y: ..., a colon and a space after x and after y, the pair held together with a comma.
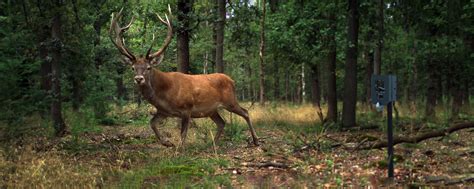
x: 133, y: 68
x: 148, y: 68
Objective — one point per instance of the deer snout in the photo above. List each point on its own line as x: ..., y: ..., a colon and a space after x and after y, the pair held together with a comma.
x: 139, y: 79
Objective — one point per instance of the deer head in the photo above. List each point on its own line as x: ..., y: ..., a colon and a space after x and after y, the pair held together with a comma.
x: 141, y: 65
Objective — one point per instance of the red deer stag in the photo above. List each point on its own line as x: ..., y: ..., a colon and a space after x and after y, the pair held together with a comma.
x: 176, y: 94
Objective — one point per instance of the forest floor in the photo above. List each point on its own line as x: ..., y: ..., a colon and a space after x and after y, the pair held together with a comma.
x: 297, y: 151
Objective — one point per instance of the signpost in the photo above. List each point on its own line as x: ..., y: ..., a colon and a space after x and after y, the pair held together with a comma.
x: 384, y: 92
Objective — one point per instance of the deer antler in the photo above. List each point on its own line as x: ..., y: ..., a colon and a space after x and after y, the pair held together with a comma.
x: 167, y: 41
x: 117, y: 30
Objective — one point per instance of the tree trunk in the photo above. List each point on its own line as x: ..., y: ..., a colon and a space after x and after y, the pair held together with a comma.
x: 299, y: 87
x: 276, y: 83
x: 431, y: 91
x: 350, y: 80
x: 273, y: 5
x: 25, y: 12
x: 220, y: 36
x: 457, y: 96
x: 56, y: 109
x: 368, y: 74
x: 214, y: 37
x: 77, y: 89
x: 315, y: 85
x: 262, y: 54
x: 45, y: 67
x: 287, y: 84
x: 184, y: 8
x: 251, y: 85
x: 380, y: 35
x: 121, y: 89
x: 316, y: 90
x: 303, y: 85
x: 331, y: 70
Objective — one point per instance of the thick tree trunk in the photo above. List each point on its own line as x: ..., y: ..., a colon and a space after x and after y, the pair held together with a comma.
x: 315, y: 85
x: 56, y: 109
x: 331, y: 70
x: 214, y: 37
x: 380, y: 35
x: 184, y: 8
x: 262, y: 54
x: 316, y: 90
x: 220, y: 36
x: 350, y: 80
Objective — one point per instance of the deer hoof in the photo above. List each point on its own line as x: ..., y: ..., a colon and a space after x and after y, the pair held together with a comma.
x: 167, y: 144
x: 256, y: 143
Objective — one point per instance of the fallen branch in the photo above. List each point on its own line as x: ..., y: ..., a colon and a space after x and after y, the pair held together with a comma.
x: 266, y: 164
x: 420, y: 137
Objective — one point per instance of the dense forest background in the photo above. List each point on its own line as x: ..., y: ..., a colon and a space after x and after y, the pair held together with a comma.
x: 55, y: 52
x: 71, y: 115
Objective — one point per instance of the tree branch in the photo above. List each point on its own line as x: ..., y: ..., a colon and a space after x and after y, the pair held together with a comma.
x: 420, y: 137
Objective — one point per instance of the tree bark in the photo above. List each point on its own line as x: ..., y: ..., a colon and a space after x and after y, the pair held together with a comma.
x: 220, y: 36
x: 380, y: 35
x: 350, y: 80
x: 331, y: 70
x: 316, y: 90
x: 251, y: 85
x: 315, y: 85
x: 369, y: 69
x: 56, y: 108
x: 431, y: 91
x: 303, y: 84
x: 273, y: 5
x: 262, y: 54
x: 276, y: 82
x: 184, y: 8
x: 287, y: 84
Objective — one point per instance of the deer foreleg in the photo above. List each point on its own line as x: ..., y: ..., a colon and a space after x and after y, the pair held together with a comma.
x: 162, y: 139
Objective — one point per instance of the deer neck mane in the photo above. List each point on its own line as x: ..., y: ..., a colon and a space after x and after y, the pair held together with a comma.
x: 156, y: 83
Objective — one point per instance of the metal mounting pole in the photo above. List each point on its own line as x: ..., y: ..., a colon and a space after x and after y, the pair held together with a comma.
x: 390, y: 139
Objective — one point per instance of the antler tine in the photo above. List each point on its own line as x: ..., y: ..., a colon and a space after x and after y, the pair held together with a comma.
x: 168, y: 37
x: 151, y: 46
x: 129, y: 24
x: 161, y: 19
x: 119, y: 42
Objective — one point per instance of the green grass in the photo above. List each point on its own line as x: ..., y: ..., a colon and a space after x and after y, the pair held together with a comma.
x: 176, y: 172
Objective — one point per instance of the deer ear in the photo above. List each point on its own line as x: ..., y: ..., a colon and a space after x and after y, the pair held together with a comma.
x: 126, y: 60
x: 157, y: 60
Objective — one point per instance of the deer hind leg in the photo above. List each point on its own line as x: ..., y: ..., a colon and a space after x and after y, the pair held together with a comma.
x: 162, y: 139
x: 245, y: 114
x: 220, y: 125
x: 184, y: 129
